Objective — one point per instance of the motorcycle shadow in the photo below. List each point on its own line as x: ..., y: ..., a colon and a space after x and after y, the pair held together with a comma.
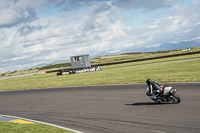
x: 146, y: 103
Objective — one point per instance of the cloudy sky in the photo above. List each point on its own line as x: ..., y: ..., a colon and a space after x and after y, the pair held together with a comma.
x: 34, y: 32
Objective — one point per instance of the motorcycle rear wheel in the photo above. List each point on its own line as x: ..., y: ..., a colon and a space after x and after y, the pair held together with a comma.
x: 175, y: 98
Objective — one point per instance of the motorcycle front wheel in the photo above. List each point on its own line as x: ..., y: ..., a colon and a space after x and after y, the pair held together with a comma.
x: 175, y: 98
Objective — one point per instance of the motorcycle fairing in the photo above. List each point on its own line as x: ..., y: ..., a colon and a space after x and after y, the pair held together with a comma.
x: 167, y: 90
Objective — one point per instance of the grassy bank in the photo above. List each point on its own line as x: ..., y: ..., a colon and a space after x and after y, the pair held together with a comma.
x: 127, y: 73
x: 103, y: 60
x: 7, y: 127
x: 139, y: 55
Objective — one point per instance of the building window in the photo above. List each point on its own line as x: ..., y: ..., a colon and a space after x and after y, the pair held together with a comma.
x: 78, y: 58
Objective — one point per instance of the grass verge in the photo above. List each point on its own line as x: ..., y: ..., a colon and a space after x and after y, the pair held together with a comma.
x: 7, y: 127
x: 103, y: 60
x: 127, y: 73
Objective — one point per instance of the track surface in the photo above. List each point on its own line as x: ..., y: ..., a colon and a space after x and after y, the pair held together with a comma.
x: 107, y: 109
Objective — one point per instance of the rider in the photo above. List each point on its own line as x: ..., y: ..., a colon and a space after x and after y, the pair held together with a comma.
x: 154, y: 89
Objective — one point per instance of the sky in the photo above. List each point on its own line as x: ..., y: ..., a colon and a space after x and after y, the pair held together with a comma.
x: 36, y: 32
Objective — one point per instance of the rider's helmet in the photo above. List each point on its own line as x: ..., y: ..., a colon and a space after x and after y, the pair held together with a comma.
x: 148, y: 81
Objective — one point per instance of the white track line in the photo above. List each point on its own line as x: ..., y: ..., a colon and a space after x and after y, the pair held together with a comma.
x: 156, y: 131
x: 69, y: 129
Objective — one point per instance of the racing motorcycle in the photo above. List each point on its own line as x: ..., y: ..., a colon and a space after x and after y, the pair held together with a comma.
x: 161, y: 94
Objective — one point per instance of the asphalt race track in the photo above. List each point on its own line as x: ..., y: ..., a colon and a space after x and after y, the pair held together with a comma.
x: 107, y: 109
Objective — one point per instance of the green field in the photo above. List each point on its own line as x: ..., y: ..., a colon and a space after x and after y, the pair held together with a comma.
x: 7, y: 127
x: 127, y: 73
x: 187, y: 70
x: 136, y: 56
x: 102, y: 60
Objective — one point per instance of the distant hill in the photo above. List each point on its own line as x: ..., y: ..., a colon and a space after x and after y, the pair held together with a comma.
x: 161, y: 47
x: 168, y: 46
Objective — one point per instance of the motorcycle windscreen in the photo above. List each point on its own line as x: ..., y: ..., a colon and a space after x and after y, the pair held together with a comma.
x: 167, y: 90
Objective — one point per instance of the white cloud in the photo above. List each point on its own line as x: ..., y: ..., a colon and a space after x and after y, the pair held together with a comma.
x: 28, y: 39
x: 145, y: 4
